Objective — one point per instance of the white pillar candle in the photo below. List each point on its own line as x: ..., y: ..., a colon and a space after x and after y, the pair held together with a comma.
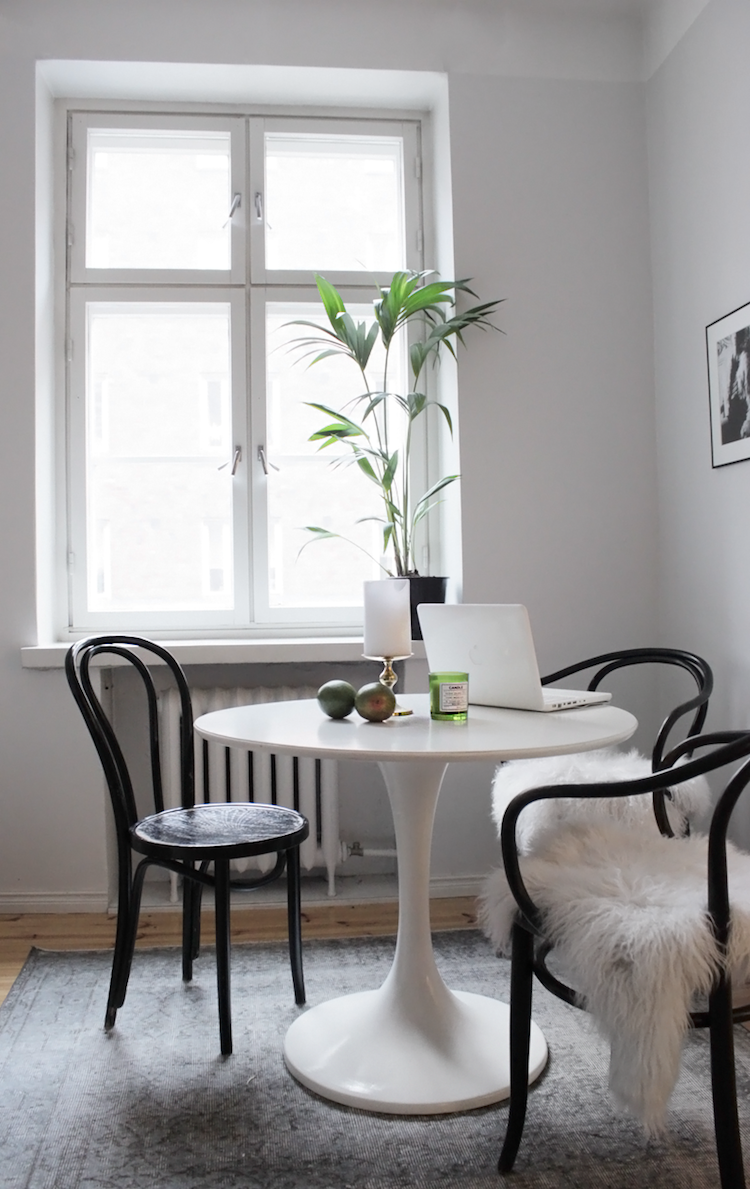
x: 387, y: 618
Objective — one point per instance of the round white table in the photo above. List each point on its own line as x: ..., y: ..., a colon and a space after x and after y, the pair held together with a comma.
x: 412, y: 1046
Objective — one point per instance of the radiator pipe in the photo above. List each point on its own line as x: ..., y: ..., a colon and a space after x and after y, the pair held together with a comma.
x: 355, y: 850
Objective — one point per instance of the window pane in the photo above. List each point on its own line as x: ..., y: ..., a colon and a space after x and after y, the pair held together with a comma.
x: 158, y: 199
x: 307, y: 488
x: 158, y: 428
x: 334, y: 202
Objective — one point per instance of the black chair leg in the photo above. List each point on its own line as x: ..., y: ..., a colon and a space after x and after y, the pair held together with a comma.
x: 221, y: 893
x: 120, y: 965
x: 724, y: 1087
x: 134, y: 916
x: 294, y: 913
x: 196, y: 911
x: 521, y: 985
x: 188, y: 890
x: 128, y: 911
x: 197, y: 901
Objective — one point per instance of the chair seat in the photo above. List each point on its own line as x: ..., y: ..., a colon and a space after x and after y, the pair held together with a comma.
x: 240, y: 829
x: 603, y: 766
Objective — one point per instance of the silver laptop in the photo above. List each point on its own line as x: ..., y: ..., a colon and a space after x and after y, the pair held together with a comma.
x: 492, y: 642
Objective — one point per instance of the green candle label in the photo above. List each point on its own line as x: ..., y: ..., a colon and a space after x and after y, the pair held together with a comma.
x: 454, y: 695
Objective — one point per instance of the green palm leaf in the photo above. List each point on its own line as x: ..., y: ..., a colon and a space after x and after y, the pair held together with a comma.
x: 411, y: 299
x: 389, y: 472
x: 436, y: 487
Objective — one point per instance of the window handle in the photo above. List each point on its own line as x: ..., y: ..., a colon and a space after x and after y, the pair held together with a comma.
x: 264, y: 461
x: 259, y: 206
x: 236, y: 460
x: 236, y: 204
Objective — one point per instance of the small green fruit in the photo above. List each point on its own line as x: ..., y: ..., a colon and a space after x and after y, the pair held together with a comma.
x: 375, y: 702
x: 336, y: 698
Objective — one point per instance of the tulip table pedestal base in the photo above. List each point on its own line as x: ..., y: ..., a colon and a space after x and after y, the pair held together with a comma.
x: 413, y: 1046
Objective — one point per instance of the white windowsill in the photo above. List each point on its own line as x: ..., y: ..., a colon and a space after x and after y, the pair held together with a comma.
x: 228, y: 652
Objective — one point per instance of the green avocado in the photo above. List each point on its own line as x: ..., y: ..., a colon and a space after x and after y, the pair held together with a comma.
x: 375, y: 702
x: 336, y: 698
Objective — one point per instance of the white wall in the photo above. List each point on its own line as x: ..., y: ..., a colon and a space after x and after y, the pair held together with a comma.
x: 547, y: 142
x: 559, y: 479
x: 700, y: 197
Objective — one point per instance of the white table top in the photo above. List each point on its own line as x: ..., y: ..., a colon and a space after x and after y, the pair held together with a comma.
x: 302, y: 727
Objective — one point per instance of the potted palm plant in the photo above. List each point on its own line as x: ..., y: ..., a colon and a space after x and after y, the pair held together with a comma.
x: 374, y: 418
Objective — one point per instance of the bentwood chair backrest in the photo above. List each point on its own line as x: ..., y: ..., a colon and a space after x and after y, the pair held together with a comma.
x: 122, y: 648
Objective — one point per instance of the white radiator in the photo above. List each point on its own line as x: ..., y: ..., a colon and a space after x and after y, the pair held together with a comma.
x: 231, y: 774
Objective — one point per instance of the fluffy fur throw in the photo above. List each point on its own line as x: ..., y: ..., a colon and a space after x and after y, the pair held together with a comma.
x: 690, y: 799
x: 626, y: 909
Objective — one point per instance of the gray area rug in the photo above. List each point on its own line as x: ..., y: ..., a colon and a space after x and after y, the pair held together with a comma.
x: 154, y: 1104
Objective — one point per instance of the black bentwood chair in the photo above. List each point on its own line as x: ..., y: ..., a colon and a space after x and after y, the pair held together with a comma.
x: 651, y: 929
x: 673, y: 811
x: 184, y: 840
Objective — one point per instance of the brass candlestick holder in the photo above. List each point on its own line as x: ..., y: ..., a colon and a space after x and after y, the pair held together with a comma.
x: 389, y: 678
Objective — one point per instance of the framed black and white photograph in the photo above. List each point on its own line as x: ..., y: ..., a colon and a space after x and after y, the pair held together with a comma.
x: 728, y: 348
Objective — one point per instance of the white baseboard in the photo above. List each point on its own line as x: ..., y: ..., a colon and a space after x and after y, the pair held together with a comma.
x: 456, y: 885
x: 26, y: 902
x: 348, y: 890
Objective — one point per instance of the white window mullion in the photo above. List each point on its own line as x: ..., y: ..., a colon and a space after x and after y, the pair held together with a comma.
x: 239, y: 211
x: 256, y: 200
x: 413, y: 201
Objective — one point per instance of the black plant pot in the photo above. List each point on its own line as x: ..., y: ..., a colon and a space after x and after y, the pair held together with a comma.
x: 424, y: 589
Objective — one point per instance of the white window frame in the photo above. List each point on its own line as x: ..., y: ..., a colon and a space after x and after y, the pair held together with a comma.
x: 409, y: 132
x: 247, y: 285
x: 261, y: 296
x: 79, y: 273
x: 77, y: 525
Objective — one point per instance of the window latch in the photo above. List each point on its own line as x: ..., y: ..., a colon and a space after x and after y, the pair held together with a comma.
x: 236, y: 204
x: 264, y: 461
x: 259, y: 206
x: 236, y: 460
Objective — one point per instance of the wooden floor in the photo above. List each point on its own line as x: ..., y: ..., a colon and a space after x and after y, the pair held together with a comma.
x: 93, y: 931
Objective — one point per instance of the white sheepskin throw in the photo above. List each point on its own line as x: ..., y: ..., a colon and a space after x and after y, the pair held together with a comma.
x: 607, y: 764
x: 626, y: 910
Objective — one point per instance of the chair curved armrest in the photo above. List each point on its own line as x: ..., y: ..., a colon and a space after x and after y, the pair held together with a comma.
x: 696, y: 666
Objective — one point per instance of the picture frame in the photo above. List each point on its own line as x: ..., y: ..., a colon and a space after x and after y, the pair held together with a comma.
x: 728, y: 356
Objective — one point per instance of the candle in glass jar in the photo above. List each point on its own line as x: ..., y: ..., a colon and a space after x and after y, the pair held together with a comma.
x: 387, y: 618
